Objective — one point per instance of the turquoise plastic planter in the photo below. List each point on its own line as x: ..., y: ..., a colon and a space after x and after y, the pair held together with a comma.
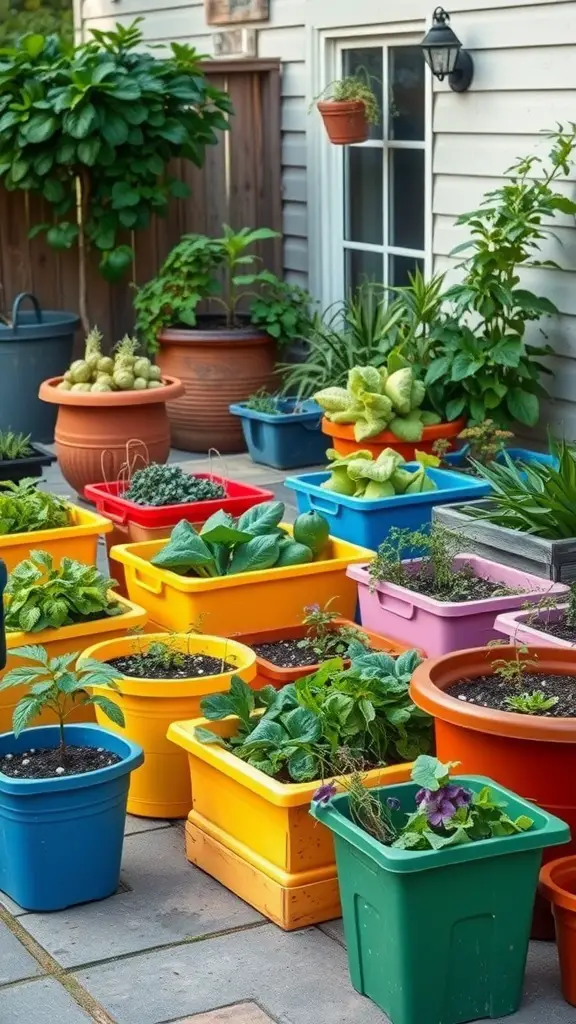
x: 458, y: 458
x: 287, y: 441
x: 3, y: 581
x: 368, y: 523
x: 439, y: 937
x: 61, y: 839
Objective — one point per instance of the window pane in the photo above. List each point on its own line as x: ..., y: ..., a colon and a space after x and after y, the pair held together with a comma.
x: 364, y: 195
x: 363, y: 268
x: 400, y: 267
x: 407, y: 93
x: 367, y: 64
x: 406, y: 198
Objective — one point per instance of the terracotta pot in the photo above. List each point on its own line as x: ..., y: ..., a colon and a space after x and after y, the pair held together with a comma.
x: 344, y: 120
x: 343, y: 440
x: 558, y: 884
x: 88, y: 425
x: 532, y: 755
x: 217, y: 368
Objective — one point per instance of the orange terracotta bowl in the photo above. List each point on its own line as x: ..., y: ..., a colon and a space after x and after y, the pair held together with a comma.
x: 344, y: 442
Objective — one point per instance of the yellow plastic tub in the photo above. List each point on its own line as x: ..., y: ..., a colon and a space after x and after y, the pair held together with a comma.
x: 246, y: 601
x: 65, y: 640
x: 79, y: 540
x: 256, y: 836
x: 161, y: 787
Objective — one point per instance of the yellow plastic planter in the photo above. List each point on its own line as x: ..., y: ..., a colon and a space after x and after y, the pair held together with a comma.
x: 161, y: 787
x: 65, y: 640
x: 78, y: 540
x: 256, y: 836
x: 241, y: 603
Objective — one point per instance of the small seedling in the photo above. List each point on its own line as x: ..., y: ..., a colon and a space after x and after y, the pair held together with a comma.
x: 535, y: 702
x: 325, y: 638
x: 513, y: 670
x: 263, y: 401
x: 440, y: 449
x: 55, y: 685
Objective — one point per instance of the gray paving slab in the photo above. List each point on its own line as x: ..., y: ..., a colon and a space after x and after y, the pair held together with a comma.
x: 334, y: 929
x: 295, y: 977
x: 237, y: 467
x: 170, y: 901
x: 40, y: 1002
x: 135, y: 825
x: 15, y: 961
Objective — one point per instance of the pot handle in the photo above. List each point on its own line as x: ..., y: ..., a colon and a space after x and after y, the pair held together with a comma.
x: 395, y: 605
x: 16, y: 308
x: 329, y: 508
x: 151, y: 584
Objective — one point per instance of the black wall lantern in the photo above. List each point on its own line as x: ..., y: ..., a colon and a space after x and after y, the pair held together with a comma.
x: 444, y: 54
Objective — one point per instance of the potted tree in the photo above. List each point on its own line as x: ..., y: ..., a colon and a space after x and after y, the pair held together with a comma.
x: 54, y: 775
x: 219, y: 357
x: 349, y: 109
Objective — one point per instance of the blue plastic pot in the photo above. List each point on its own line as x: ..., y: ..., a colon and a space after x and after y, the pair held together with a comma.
x: 287, y: 441
x: 368, y: 523
x: 61, y: 839
x: 457, y: 459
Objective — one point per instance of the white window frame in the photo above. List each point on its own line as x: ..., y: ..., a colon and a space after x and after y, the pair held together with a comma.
x: 326, y: 163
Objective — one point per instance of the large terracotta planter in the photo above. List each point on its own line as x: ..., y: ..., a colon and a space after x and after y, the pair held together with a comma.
x: 217, y: 368
x: 558, y: 885
x: 344, y: 120
x: 343, y: 440
x: 90, y: 425
x: 533, y: 755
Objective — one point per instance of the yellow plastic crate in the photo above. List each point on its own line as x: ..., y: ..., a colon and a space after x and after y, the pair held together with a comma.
x: 77, y: 540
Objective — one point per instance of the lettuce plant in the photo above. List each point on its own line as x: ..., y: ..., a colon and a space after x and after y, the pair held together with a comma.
x: 360, y: 475
x: 24, y: 508
x: 39, y: 596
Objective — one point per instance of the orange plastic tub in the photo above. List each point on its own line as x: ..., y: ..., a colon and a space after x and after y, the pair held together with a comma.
x: 343, y: 440
x: 160, y: 788
x: 256, y: 835
x: 558, y: 884
x: 79, y: 540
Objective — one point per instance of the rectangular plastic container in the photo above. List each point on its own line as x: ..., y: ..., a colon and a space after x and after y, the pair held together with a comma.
x: 439, y: 627
x: 32, y: 466
x: 147, y: 522
x: 439, y: 936
x: 79, y: 540
x: 458, y: 458
x: 287, y: 441
x: 243, y: 602
x: 369, y: 522
x: 515, y: 625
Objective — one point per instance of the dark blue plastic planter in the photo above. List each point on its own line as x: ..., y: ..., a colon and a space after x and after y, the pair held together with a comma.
x: 61, y: 839
x: 368, y: 522
x: 287, y: 441
x: 457, y: 459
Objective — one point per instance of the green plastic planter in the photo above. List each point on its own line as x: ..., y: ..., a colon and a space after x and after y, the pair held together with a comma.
x: 439, y: 937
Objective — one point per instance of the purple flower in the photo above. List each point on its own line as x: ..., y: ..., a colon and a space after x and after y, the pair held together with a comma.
x: 440, y: 810
x: 457, y: 795
x: 311, y: 608
x: 441, y: 806
x: 393, y: 803
x: 422, y: 796
x: 324, y: 793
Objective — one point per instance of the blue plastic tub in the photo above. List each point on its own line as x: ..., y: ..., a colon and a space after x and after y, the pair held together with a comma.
x: 458, y: 458
x: 287, y: 441
x: 368, y: 523
x: 61, y: 838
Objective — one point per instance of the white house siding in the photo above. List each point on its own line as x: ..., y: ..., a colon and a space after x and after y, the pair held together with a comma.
x: 525, y: 55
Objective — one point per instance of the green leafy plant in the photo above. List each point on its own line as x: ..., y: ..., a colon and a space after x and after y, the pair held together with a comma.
x: 225, y: 546
x: 224, y: 271
x: 93, y: 128
x: 513, y: 670
x: 325, y: 636
x: 535, y: 702
x: 14, y: 446
x: 360, y: 475
x: 45, y: 17
x: 24, y: 509
x: 40, y: 596
x: 263, y: 401
x: 364, y: 710
x: 354, y: 87
x: 55, y: 685
x: 157, y: 485
x: 533, y: 497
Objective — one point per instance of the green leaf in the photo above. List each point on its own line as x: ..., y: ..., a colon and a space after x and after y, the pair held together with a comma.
x: 429, y: 773
x: 41, y: 128
x: 456, y: 838
x: 238, y: 701
x: 124, y: 195
x: 88, y: 150
x: 507, y: 352
x: 259, y: 553
x: 114, y: 264
x: 304, y: 767
x: 32, y: 652
x: 261, y: 519
x: 455, y: 407
x: 110, y: 709
x: 184, y: 551
x: 80, y: 121
x: 25, y: 711
x: 302, y: 725
x: 114, y: 128
x: 207, y: 736
x: 523, y: 406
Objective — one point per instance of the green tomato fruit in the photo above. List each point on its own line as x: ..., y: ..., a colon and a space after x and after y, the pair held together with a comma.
x: 80, y: 371
x: 154, y: 373
x: 100, y: 386
x: 142, y: 368
x: 106, y: 365
x: 140, y: 384
x: 68, y: 377
x: 152, y: 384
x: 123, y: 379
x: 312, y: 530
x: 64, y: 385
x: 84, y: 387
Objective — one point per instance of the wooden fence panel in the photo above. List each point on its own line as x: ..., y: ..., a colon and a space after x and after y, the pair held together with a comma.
x: 239, y: 185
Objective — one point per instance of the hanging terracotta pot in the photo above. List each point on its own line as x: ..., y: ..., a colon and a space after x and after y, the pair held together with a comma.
x: 88, y: 425
x: 218, y: 367
x: 344, y: 120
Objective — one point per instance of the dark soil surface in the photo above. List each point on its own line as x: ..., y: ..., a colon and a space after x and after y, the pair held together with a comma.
x: 464, y: 587
x: 48, y: 763
x: 560, y: 629
x: 188, y: 666
x: 491, y: 692
x: 287, y: 653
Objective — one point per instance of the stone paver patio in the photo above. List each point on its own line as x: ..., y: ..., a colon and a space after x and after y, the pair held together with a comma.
x: 172, y: 945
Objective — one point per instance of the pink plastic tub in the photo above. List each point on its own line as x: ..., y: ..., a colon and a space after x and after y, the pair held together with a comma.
x: 514, y: 625
x: 440, y: 627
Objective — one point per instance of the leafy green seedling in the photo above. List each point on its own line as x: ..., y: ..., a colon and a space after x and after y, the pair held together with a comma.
x: 536, y: 702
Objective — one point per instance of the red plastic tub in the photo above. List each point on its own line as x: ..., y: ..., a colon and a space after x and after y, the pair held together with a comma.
x: 147, y: 522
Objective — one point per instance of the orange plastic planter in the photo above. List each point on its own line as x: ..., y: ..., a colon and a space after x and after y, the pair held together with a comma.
x: 78, y: 540
x: 558, y: 884
x: 256, y: 836
x: 343, y: 440
x: 532, y: 755
x: 160, y: 788
x: 269, y: 674
x: 65, y: 640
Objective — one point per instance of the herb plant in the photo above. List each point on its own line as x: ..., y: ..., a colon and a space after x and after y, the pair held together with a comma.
x: 25, y: 509
x: 485, y: 441
x: 55, y: 685
x: 354, y: 87
x: 325, y: 637
x: 513, y: 670
x: 93, y: 128
x: 14, y: 446
x: 263, y: 401
x: 365, y: 710
x: 535, y: 702
x: 157, y: 485
x: 39, y: 596
x: 226, y: 546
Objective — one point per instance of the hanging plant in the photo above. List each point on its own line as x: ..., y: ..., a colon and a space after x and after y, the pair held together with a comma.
x: 349, y: 109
